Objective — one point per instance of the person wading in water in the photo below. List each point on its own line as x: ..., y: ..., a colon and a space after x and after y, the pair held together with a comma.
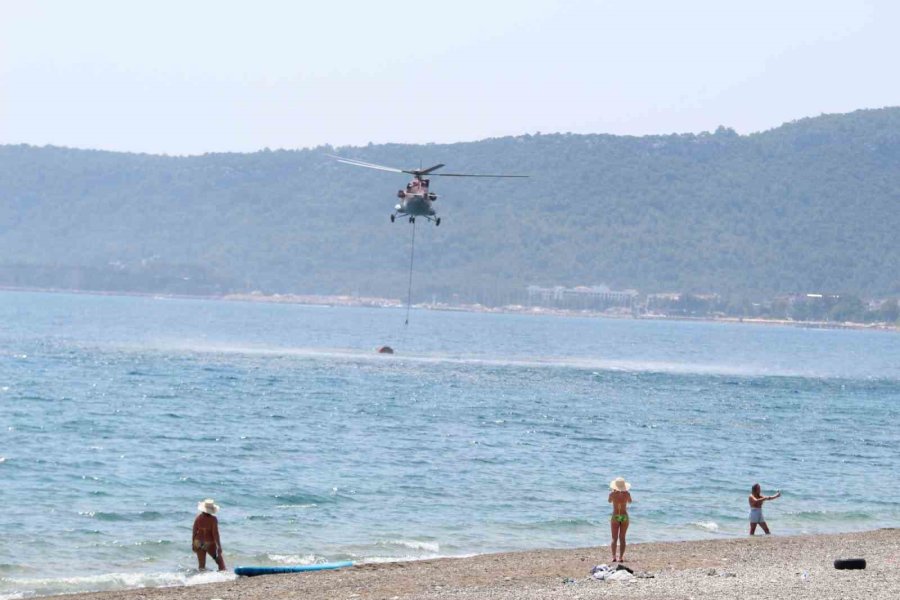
x: 206, y: 535
x: 756, y: 500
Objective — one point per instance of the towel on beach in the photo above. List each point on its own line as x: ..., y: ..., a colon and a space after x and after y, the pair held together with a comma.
x: 620, y: 576
x: 601, y: 572
x: 606, y: 573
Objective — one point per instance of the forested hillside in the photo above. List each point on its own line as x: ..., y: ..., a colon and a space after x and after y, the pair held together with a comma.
x: 809, y: 206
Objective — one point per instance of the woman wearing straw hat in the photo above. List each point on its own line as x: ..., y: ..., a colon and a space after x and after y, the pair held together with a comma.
x: 620, y: 498
x: 206, y: 534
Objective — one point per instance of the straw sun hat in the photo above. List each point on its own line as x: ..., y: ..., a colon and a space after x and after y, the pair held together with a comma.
x: 619, y: 484
x: 208, y: 506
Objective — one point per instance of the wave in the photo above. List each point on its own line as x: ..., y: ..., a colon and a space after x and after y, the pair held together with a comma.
x: 308, y: 500
x: 292, y: 559
x: 556, y: 524
x: 826, y: 515
x: 154, y: 543
x: 144, y: 515
x: 26, y: 587
x: 31, y: 397
x: 433, y: 547
x: 393, y: 550
x: 302, y: 505
x: 706, y: 525
x: 409, y: 558
x: 14, y: 568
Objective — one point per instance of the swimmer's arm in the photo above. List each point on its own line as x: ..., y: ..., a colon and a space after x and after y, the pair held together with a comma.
x: 610, y: 498
x: 628, y: 497
x: 762, y: 499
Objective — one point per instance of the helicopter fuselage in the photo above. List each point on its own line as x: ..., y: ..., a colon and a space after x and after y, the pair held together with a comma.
x: 414, y: 205
x: 416, y: 201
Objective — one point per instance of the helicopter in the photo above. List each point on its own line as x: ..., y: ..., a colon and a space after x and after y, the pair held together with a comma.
x: 416, y: 200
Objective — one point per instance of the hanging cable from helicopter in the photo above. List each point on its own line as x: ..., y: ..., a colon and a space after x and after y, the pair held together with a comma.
x: 412, y: 255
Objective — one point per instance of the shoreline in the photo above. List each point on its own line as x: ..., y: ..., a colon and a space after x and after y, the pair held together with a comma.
x: 377, y: 302
x: 788, y: 567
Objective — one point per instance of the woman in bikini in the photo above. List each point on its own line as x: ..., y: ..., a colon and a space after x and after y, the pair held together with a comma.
x: 206, y: 535
x: 620, y: 498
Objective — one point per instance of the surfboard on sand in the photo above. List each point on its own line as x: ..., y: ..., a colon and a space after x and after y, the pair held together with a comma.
x: 253, y: 571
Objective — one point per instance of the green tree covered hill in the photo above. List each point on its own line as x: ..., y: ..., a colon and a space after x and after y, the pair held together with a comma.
x: 811, y: 205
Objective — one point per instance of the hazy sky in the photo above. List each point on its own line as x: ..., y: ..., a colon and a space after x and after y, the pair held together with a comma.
x: 187, y: 77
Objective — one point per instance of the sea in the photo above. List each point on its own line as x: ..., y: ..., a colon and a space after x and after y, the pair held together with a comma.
x: 481, y: 433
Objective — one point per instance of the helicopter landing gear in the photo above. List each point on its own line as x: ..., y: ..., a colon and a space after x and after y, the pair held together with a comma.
x: 437, y: 222
x: 392, y: 218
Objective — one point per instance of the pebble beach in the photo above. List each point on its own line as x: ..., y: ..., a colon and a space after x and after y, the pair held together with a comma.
x: 772, y: 567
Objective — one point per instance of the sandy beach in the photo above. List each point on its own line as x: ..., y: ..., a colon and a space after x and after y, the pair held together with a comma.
x: 767, y: 567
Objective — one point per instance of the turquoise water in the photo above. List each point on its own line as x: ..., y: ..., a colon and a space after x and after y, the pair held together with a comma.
x: 483, y: 433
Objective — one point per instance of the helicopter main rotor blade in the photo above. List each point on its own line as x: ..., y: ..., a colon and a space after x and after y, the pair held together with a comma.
x: 428, y: 170
x: 368, y: 165
x: 471, y: 175
x: 416, y: 172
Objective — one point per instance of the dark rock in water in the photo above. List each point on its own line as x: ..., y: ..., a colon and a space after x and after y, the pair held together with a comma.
x: 385, y: 350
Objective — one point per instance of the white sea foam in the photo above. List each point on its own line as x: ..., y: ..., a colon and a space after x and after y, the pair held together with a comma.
x: 587, y: 363
x: 416, y: 545
x: 707, y: 525
x: 112, y: 581
x: 292, y: 559
x: 411, y: 558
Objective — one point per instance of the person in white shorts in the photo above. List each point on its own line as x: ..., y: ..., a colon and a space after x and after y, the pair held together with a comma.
x: 756, y: 515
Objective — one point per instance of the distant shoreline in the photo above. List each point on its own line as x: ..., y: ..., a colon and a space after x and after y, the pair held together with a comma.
x: 378, y: 302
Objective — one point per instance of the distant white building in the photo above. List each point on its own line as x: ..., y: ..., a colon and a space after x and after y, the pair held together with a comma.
x: 580, y: 297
